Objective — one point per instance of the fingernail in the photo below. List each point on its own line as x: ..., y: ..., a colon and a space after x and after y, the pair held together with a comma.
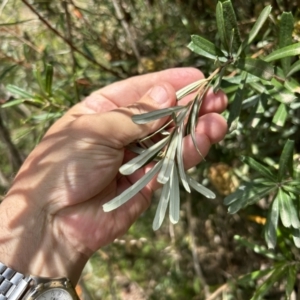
x: 159, y: 94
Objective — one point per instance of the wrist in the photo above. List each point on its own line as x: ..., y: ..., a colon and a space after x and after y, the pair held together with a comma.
x: 31, y: 243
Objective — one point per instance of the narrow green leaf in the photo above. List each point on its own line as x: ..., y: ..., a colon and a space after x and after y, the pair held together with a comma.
x: 285, y: 37
x: 236, y: 105
x: 189, y: 89
x: 256, y: 27
x: 48, y: 80
x: 280, y: 117
x: 278, y: 273
x: 296, y: 237
x: 200, y: 188
x: 155, y: 115
x: 19, y: 92
x: 271, y: 225
x: 132, y: 190
x: 294, y: 68
x: 288, y: 213
x: 179, y: 159
x: 142, y: 159
x: 221, y: 24
x: 290, y: 281
x: 205, y: 48
x: 168, y: 161
x: 7, y: 70
x: 12, y: 103
x: 231, y: 26
x: 291, y: 50
x: 253, y: 276
x: 286, y: 160
x: 263, y: 170
x: 256, y: 67
x: 174, y: 210
x: 162, y: 206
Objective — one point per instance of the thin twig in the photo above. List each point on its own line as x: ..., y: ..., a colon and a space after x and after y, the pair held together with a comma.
x: 218, y: 291
x: 196, y: 262
x: 126, y: 28
x: 57, y: 33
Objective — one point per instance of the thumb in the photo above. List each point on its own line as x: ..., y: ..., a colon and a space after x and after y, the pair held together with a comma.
x: 117, y: 125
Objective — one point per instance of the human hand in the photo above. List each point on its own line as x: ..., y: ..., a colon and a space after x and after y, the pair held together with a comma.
x: 54, y: 208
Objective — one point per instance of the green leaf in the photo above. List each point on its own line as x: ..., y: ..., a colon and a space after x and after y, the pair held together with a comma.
x: 142, y: 159
x: 294, y: 68
x: 236, y: 105
x: 280, y: 117
x: 278, y: 273
x: 12, y: 103
x: 174, y: 209
x: 48, y: 80
x: 253, y: 276
x: 179, y: 159
x: 221, y: 25
x: 189, y: 89
x: 256, y: 28
x: 155, y: 115
x: 291, y: 50
x: 296, y: 237
x: 291, y: 279
x: 19, y: 92
x: 231, y: 26
x: 246, y: 195
x: 286, y: 160
x: 287, y: 210
x: 272, y: 222
x: 205, y: 48
x: 256, y: 67
x: 261, y: 169
x: 132, y: 190
x: 162, y: 206
x: 200, y: 188
x: 285, y: 37
x: 6, y: 71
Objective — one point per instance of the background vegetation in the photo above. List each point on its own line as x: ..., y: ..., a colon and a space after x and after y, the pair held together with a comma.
x: 54, y: 53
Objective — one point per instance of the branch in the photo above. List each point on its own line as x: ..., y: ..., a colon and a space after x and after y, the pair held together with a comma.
x: 57, y: 33
x: 126, y: 28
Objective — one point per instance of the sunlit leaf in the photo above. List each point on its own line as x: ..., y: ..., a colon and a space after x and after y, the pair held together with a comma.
x: 263, y: 170
x: 280, y: 117
x: 286, y: 160
x: 205, y: 48
x: 19, y: 92
x: 294, y: 68
x: 285, y: 37
x: 287, y: 210
x: 12, y: 103
x: 256, y: 27
x: 296, y: 237
x: 291, y: 50
x: 142, y: 159
x: 155, y: 115
x: 174, y: 209
x: 189, y: 88
x: 200, y: 188
x: 132, y: 190
x: 256, y: 67
x: 272, y: 222
x: 162, y: 206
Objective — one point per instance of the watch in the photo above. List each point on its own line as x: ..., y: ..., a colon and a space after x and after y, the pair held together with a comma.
x: 15, y: 286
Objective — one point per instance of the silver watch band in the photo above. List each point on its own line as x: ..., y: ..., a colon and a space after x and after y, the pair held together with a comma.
x: 12, y: 283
